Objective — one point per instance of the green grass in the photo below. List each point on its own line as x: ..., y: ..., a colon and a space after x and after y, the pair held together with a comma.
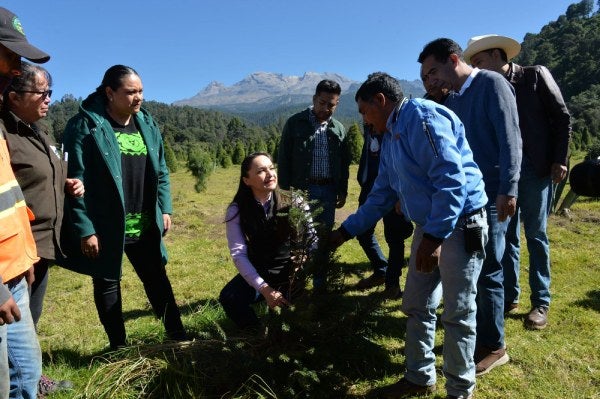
x: 344, y: 344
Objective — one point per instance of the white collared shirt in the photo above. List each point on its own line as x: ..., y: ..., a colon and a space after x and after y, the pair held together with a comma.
x: 469, y: 80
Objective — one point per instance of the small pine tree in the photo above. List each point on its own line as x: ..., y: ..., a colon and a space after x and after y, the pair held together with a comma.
x: 200, y: 164
x: 239, y: 153
x: 355, y: 142
x: 170, y: 158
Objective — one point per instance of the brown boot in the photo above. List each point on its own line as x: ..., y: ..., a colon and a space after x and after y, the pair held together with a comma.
x: 486, y: 359
x: 537, y: 319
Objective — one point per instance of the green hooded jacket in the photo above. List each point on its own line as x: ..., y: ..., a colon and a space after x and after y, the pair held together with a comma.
x: 94, y: 157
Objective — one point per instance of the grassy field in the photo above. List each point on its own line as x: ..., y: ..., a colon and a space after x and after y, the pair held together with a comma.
x: 340, y: 345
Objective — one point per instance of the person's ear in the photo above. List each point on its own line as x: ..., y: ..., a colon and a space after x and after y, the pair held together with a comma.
x: 454, y: 59
x: 245, y: 180
x: 109, y: 93
x: 13, y: 97
x: 380, y: 99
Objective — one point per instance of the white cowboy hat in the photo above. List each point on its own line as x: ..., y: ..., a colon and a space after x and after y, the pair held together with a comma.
x: 487, y: 42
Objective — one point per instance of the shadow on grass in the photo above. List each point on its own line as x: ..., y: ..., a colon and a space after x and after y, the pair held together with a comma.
x: 591, y: 302
x: 318, y: 348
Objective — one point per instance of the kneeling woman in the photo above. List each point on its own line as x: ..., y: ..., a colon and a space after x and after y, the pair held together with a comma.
x: 260, y: 236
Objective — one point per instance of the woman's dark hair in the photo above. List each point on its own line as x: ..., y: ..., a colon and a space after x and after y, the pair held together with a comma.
x: 26, y: 80
x: 244, y: 198
x: 113, y: 78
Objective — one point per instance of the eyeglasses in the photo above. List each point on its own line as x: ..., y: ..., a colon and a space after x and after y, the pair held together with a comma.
x: 44, y: 94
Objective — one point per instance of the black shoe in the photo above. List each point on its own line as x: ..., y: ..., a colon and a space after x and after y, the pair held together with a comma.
x: 373, y: 280
x: 405, y: 389
x: 392, y: 292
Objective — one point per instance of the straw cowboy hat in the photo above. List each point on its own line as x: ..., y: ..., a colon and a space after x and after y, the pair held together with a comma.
x: 487, y: 42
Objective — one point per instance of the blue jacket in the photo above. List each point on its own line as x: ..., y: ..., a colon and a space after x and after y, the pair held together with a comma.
x: 488, y: 109
x: 425, y: 162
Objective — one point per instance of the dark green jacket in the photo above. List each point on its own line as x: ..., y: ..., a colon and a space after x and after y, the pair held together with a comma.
x: 294, y: 160
x: 94, y: 157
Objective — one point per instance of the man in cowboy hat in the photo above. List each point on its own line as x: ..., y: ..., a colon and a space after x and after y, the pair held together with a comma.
x: 486, y: 105
x: 545, y: 129
x: 20, y: 355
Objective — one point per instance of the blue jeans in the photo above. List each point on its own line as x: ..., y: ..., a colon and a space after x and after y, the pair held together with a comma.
x: 533, y: 203
x: 20, y: 349
x: 490, y: 287
x: 456, y: 281
x: 324, y: 196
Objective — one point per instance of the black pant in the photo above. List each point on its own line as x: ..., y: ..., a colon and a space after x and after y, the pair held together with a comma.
x: 38, y: 289
x: 237, y: 297
x: 145, y: 257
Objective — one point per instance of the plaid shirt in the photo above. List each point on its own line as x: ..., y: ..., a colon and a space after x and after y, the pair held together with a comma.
x: 320, y: 161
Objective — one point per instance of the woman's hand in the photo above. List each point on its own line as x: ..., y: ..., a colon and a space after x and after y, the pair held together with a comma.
x: 90, y: 246
x: 74, y: 187
x: 273, y: 297
x: 166, y: 223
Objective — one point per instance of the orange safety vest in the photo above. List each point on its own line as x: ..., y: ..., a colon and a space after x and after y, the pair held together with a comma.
x: 17, y: 246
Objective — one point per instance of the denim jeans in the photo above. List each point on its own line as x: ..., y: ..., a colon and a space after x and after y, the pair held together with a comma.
x: 490, y: 287
x: 324, y: 196
x: 533, y: 203
x: 454, y: 280
x: 21, y: 360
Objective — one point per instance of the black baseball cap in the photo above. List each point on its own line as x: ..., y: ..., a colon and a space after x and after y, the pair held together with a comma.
x: 13, y: 38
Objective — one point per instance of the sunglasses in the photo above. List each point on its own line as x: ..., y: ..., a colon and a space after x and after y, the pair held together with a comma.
x: 44, y: 94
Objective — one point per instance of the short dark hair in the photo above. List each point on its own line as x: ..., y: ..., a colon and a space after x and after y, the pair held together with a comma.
x: 380, y: 82
x: 26, y: 80
x: 328, y: 86
x: 441, y: 49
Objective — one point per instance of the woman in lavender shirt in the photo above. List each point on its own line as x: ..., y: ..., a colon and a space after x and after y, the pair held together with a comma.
x: 259, y: 236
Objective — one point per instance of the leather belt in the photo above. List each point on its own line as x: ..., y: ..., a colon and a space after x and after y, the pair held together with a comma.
x: 320, y: 182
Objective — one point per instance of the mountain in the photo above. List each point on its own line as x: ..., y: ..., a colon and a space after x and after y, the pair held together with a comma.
x: 263, y: 92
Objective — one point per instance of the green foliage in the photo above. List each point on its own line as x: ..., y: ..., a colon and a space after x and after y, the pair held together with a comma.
x: 355, y: 142
x: 239, y: 153
x: 170, y: 158
x: 570, y: 48
x: 201, y: 165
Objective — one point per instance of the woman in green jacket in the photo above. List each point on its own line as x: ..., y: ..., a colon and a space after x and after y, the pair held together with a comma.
x: 115, y: 148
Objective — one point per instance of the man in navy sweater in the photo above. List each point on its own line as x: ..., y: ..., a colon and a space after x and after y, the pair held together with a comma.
x: 485, y: 103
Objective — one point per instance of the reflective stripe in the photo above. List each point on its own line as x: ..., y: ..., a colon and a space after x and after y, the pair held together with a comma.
x: 10, y: 194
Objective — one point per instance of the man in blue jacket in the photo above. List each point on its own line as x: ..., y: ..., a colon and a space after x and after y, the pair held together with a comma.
x: 427, y: 165
x: 485, y: 102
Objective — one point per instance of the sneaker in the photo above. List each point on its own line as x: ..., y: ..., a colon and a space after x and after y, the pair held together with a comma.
x: 459, y: 397
x: 511, y: 308
x: 486, y: 360
x: 372, y: 281
x: 47, y: 386
x: 392, y: 292
x: 406, y: 389
x: 537, y: 319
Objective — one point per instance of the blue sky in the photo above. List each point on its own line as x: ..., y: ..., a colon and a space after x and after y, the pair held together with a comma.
x: 179, y: 46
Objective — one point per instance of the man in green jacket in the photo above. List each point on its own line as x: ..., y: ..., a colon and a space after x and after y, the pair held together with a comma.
x: 314, y: 156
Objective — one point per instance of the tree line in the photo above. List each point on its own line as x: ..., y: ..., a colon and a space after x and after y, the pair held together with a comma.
x: 206, y: 139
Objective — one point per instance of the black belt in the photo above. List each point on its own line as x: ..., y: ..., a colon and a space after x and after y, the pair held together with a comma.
x: 480, y: 212
x: 320, y: 182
